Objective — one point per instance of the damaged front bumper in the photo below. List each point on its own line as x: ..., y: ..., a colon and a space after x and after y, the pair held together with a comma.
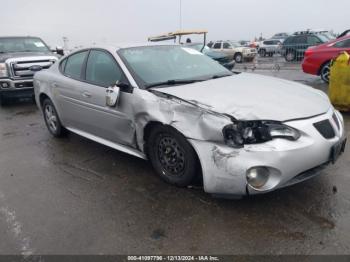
x: 289, y: 162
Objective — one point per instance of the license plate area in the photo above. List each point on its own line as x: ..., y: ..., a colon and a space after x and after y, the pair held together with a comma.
x: 337, y: 150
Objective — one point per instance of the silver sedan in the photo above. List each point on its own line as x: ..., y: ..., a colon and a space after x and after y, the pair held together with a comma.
x: 192, y: 118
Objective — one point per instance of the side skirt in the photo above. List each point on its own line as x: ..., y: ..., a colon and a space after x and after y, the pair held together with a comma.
x: 119, y: 147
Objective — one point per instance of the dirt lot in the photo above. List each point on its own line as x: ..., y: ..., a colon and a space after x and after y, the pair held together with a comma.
x: 74, y: 196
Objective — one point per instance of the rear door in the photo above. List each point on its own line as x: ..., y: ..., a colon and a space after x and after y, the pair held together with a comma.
x: 67, y: 89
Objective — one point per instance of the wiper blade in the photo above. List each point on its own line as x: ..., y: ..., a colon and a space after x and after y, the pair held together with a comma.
x: 220, y: 76
x: 173, y: 82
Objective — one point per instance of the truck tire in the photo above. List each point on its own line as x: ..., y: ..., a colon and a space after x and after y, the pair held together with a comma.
x: 238, y: 58
x: 172, y: 156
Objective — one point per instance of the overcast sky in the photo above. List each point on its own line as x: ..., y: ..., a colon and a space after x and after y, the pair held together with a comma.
x: 112, y: 21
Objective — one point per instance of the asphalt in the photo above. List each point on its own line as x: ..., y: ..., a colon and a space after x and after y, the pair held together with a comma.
x: 74, y: 196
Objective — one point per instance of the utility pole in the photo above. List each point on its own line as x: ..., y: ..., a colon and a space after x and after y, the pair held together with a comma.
x: 180, y: 14
x: 65, y: 43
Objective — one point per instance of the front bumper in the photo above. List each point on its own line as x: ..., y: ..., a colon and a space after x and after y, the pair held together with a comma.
x: 225, y: 168
x: 10, y: 88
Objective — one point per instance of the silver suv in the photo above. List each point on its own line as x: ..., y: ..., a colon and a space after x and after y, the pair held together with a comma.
x: 20, y: 58
x: 237, y: 51
x: 269, y: 47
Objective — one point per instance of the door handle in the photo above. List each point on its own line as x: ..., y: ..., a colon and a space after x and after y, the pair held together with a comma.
x: 86, y: 94
x: 54, y: 85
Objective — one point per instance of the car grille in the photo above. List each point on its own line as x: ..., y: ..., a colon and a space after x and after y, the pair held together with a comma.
x: 21, y: 69
x: 325, y: 128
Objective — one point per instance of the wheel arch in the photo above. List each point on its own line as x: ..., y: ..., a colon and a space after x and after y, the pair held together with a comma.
x: 153, y: 124
x: 322, y: 65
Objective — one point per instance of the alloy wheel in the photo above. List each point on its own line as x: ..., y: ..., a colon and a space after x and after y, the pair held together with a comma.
x: 51, y: 117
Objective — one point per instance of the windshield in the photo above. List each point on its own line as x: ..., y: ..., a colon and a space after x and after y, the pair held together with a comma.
x: 25, y: 44
x: 324, y: 38
x: 327, y: 36
x: 156, y: 64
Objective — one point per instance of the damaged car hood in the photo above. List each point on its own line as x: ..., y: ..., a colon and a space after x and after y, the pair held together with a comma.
x: 250, y: 97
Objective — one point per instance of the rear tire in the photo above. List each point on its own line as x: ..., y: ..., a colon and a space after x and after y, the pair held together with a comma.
x: 325, y: 72
x: 262, y: 52
x: 172, y: 156
x: 52, y: 119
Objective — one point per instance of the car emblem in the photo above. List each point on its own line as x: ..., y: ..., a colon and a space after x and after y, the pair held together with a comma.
x: 35, y: 68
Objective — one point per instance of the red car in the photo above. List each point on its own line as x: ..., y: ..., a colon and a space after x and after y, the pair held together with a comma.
x: 317, y: 58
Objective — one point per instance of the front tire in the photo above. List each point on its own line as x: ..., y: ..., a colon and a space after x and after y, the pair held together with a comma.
x: 325, y: 72
x: 172, y: 156
x: 238, y: 58
x: 52, y: 119
x: 290, y: 56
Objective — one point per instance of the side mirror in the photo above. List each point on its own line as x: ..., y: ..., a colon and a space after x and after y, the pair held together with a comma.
x: 112, y: 96
x: 59, y: 50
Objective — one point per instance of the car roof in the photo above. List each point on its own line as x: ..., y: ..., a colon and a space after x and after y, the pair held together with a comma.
x: 115, y: 47
x: 14, y: 37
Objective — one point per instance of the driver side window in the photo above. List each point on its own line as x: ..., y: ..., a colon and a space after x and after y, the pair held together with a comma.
x: 102, y: 69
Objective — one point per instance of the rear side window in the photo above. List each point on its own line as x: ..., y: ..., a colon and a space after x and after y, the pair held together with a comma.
x: 217, y: 46
x: 74, y: 65
x: 102, y: 69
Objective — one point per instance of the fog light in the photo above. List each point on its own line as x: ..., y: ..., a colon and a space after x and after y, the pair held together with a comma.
x: 4, y: 85
x: 257, y: 177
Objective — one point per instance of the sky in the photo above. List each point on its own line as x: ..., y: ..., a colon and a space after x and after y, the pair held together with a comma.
x: 85, y: 22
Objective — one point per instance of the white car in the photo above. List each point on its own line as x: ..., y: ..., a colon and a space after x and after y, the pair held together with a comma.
x: 269, y: 47
x: 191, y: 117
x: 238, y: 52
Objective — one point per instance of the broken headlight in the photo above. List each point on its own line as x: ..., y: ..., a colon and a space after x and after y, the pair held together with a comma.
x: 240, y: 133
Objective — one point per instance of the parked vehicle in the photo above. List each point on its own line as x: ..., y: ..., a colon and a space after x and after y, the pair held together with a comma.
x: 345, y: 33
x: 280, y: 36
x: 240, y: 133
x: 20, y: 58
x: 322, y: 32
x: 294, y: 47
x: 224, y: 59
x: 238, y: 52
x: 269, y: 47
x: 318, y: 58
